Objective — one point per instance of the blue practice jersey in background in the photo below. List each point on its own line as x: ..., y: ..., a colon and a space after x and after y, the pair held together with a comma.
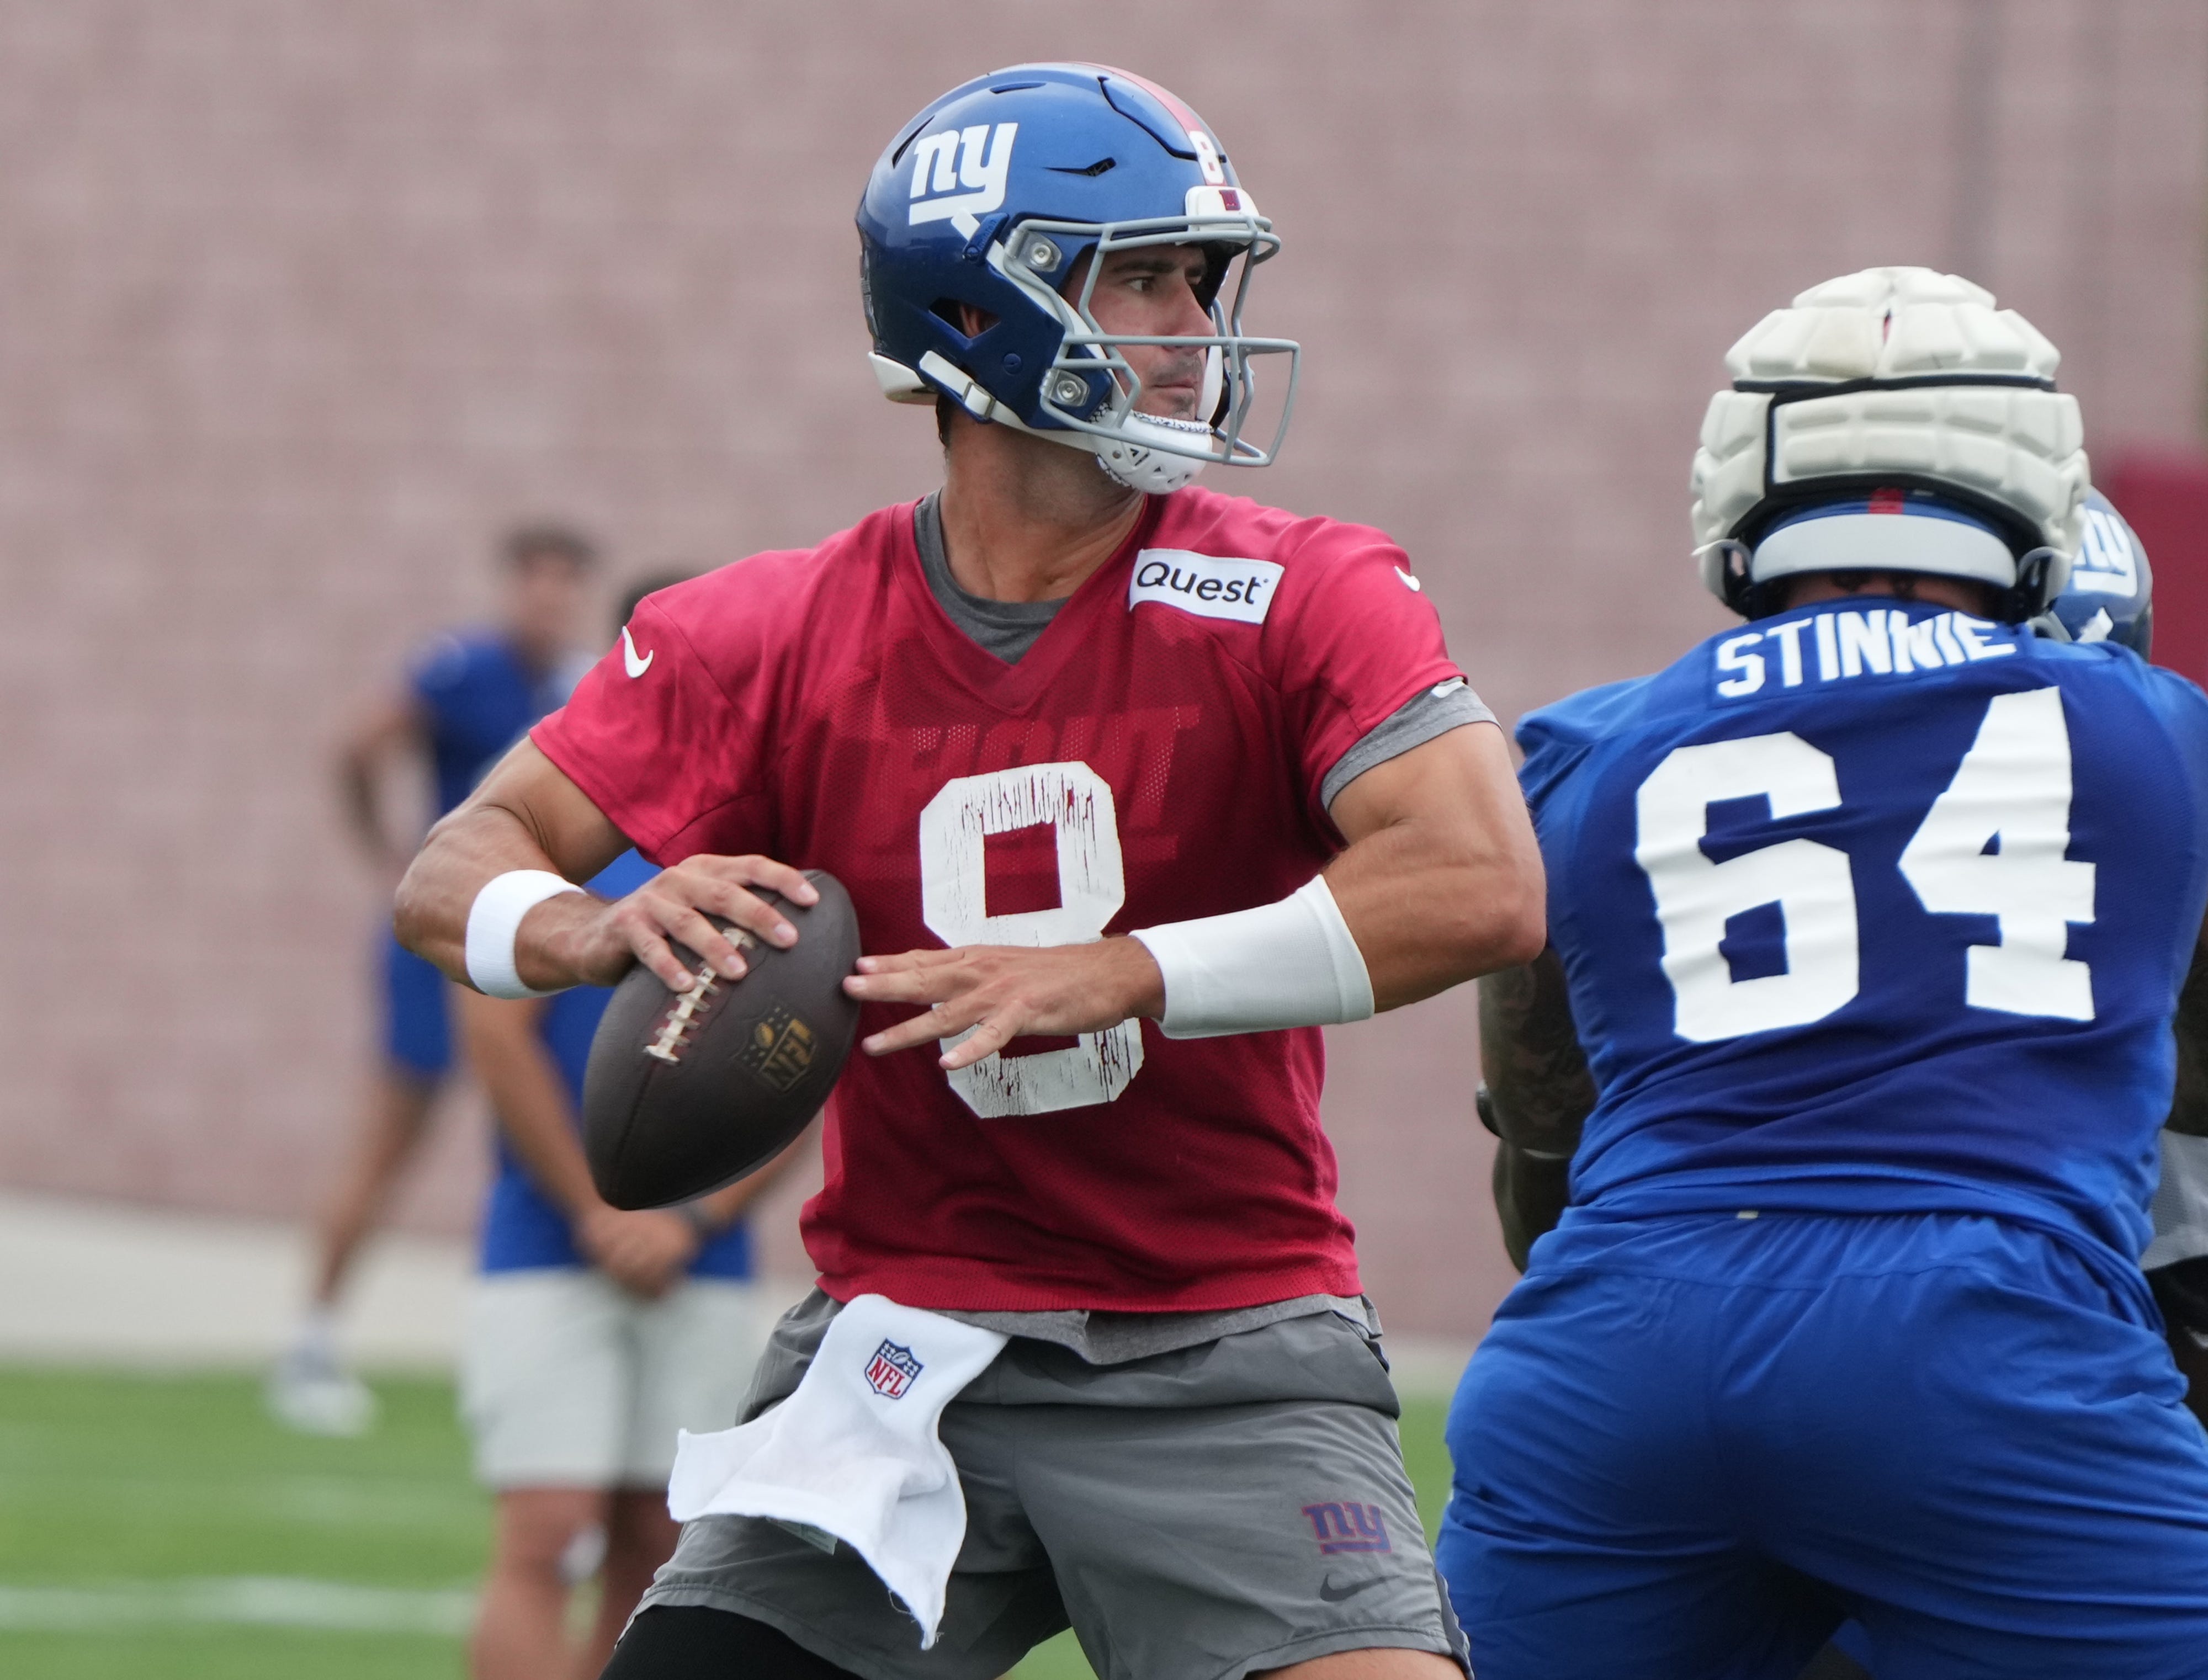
x: 1873, y: 907
x: 477, y: 698
x: 523, y: 1228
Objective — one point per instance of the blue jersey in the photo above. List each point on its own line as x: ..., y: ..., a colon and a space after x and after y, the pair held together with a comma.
x: 523, y: 1228
x: 477, y: 697
x: 1868, y: 908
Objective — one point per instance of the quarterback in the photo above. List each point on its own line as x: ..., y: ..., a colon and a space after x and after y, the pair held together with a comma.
x: 1134, y: 786
x: 1870, y: 922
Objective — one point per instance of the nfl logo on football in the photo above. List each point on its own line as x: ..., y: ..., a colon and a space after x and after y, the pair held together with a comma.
x: 892, y: 1370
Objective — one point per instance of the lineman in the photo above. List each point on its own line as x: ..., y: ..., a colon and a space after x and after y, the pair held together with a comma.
x: 1869, y: 919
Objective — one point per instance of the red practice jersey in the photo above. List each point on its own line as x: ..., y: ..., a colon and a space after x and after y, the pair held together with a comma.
x: 1156, y: 755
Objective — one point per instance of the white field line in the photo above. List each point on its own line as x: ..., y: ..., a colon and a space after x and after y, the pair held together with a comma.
x: 260, y: 1601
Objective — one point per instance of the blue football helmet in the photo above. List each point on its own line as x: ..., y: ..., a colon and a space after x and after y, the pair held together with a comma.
x: 2110, y: 594
x: 994, y: 196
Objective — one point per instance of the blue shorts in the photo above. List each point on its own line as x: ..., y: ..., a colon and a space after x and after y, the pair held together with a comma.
x: 418, y: 1026
x: 1693, y: 1446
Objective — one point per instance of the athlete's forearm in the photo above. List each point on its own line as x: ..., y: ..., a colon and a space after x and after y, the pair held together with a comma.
x: 1428, y: 913
x: 1539, y: 1085
x: 2188, y: 1108
x: 1531, y: 1192
x: 1442, y: 881
x: 391, y: 729
x: 359, y: 797
x: 463, y: 853
x: 1536, y: 1094
x: 526, y: 815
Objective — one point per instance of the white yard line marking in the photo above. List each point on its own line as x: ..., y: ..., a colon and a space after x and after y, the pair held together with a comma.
x: 263, y: 1601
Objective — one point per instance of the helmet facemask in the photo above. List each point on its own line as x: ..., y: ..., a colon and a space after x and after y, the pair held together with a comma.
x: 1091, y: 390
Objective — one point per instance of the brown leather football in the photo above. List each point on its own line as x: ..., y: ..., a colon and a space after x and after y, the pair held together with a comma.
x: 688, y: 1091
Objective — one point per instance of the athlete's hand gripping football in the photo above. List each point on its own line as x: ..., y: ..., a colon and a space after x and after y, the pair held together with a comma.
x: 527, y: 814
x: 674, y: 905
x: 1440, y: 880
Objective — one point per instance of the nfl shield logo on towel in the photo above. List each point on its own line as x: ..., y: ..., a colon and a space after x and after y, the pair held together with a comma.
x: 892, y: 1370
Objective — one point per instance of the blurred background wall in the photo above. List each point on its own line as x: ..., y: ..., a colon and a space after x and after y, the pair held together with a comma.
x: 300, y: 305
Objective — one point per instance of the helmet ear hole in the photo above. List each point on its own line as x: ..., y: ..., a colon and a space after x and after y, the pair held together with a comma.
x: 969, y: 321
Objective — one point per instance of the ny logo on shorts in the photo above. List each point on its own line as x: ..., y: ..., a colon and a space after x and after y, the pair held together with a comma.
x: 1346, y: 1526
x: 892, y: 1370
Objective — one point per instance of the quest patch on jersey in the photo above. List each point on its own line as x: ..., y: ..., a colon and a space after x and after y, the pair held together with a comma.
x: 1205, y: 585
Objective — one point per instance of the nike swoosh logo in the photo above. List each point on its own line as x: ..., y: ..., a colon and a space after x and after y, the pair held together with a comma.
x: 1335, y: 1595
x: 1409, y: 582
x: 630, y: 663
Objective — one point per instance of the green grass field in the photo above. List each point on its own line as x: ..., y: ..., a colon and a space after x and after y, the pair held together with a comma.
x: 162, y: 1528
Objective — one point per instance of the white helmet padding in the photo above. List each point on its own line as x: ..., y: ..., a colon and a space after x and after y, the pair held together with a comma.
x: 1883, y: 535
x: 1893, y: 376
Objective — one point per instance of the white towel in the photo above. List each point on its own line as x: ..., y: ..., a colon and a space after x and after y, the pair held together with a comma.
x: 853, y: 1452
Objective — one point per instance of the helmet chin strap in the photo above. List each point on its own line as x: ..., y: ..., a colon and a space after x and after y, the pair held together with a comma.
x: 1129, y: 460
x: 1153, y: 471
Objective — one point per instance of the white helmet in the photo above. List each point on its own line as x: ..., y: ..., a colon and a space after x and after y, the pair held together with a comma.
x: 1893, y: 379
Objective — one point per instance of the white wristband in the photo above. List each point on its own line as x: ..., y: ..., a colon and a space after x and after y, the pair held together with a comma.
x: 494, y: 920
x: 1288, y: 965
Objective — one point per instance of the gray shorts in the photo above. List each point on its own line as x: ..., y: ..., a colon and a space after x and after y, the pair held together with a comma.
x: 1194, y: 1516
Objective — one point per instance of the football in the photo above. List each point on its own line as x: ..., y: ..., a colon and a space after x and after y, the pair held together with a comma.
x: 688, y: 1091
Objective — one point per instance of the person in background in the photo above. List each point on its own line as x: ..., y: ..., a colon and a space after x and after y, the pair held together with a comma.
x: 2110, y: 599
x: 468, y: 694
x: 592, y: 1335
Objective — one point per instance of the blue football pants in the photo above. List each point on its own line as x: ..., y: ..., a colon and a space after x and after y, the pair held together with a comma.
x: 1690, y: 1447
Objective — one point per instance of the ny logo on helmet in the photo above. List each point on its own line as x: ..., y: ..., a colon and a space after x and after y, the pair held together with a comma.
x: 975, y: 158
x: 2105, y: 564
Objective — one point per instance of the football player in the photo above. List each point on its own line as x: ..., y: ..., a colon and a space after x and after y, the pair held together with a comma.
x: 1527, y: 1028
x: 1135, y: 786
x: 2110, y: 598
x: 1868, y: 924
x: 592, y: 1336
x: 2110, y: 594
x: 467, y: 695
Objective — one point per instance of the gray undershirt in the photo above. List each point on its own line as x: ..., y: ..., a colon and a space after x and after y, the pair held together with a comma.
x: 1006, y: 630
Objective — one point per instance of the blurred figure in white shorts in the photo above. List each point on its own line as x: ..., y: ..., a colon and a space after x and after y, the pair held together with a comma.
x: 592, y: 1335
